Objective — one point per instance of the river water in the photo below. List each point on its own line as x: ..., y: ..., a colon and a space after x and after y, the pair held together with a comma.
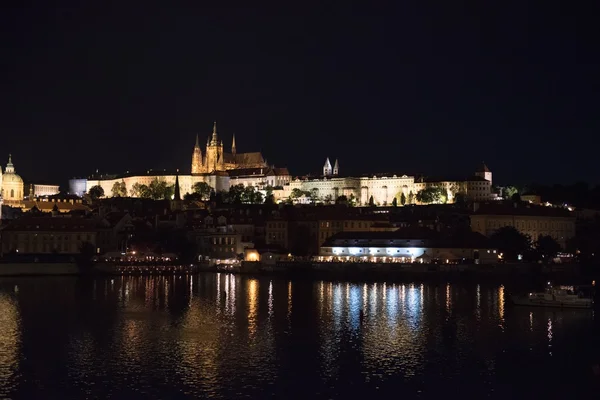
x: 227, y: 336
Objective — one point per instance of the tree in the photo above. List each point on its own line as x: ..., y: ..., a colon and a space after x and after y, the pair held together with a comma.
x: 516, y: 198
x: 251, y: 196
x: 371, y: 201
x: 403, y: 199
x: 296, y: 193
x: 159, y: 190
x: 431, y: 195
x: 352, y: 200
x: 395, y: 202
x: 460, y: 198
x: 203, y: 189
x: 411, y: 197
x: 270, y: 199
x: 328, y: 199
x: 343, y: 200
x: 509, y: 191
x: 511, y: 243
x: 119, y: 189
x: 135, y: 190
x: 268, y: 191
x: 192, y: 197
x: 96, y: 192
x: 547, y: 247
x: 235, y: 194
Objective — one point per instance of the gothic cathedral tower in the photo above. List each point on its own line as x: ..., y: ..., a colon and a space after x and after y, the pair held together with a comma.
x: 214, y: 153
x: 197, y: 158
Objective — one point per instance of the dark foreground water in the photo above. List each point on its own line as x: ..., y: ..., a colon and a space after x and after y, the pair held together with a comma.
x: 225, y: 336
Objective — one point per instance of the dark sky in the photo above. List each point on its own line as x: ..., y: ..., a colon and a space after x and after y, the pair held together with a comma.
x: 432, y: 87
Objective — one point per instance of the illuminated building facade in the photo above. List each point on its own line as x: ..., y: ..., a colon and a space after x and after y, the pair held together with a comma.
x: 531, y: 220
x: 407, y: 246
x: 384, y: 188
x: 217, y: 168
x: 12, y: 185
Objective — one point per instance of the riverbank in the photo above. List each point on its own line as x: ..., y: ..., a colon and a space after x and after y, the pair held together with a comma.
x: 320, y: 270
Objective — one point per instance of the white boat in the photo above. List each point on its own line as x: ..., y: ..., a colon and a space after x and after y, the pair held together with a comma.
x: 561, y: 296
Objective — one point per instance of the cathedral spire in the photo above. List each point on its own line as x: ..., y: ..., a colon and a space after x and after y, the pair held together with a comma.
x: 214, y: 134
x: 233, y: 150
x: 177, y: 194
x: 197, y: 141
x: 327, y: 167
x: 336, y: 167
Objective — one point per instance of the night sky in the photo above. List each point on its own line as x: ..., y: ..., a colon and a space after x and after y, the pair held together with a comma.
x: 432, y: 87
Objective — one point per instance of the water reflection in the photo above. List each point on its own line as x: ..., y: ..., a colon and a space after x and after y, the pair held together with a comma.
x: 9, y: 343
x: 228, y: 336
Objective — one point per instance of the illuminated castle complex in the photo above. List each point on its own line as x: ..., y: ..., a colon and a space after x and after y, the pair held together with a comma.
x: 217, y: 168
x: 216, y: 160
x: 221, y: 170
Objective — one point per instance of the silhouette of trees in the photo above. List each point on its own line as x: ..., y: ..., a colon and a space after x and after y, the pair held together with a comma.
x: 547, y: 247
x: 96, y: 192
x: 511, y: 243
x: 203, y: 189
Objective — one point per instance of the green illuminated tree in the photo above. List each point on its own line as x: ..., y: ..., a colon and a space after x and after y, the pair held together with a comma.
x: 411, y: 197
x: 395, y: 202
x: 119, y: 189
x: 509, y: 191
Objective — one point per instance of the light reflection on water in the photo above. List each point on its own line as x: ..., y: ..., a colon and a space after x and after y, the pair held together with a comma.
x: 10, y: 337
x: 227, y: 336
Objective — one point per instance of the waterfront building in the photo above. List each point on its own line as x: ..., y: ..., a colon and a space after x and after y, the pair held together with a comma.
x: 47, y: 235
x: 535, y: 221
x: 408, y: 245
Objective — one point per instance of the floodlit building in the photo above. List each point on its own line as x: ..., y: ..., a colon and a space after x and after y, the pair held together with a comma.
x: 408, y: 245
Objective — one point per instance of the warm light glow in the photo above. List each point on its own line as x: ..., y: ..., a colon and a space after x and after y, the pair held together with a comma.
x: 252, y: 306
x: 10, y: 336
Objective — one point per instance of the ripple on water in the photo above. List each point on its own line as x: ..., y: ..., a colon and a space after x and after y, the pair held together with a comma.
x: 225, y: 336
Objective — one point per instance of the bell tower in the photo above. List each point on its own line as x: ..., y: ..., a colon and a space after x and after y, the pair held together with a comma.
x: 197, y: 158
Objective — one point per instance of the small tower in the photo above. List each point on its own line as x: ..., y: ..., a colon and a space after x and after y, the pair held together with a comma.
x: 327, y: 168
x: 484, y: 172
x: 213, y: 140
x: 336, y: 168
x: 197, y: 158
x: 233, y: 150
x: 176, y: 202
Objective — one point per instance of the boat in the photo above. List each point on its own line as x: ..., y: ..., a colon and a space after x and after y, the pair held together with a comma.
x: 554, y: 296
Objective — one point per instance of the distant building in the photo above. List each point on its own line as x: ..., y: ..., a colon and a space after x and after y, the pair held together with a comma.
x: 12, y: 185
x: 48, y: 235
x: 384, y: 188
x: 531, y: 220
x: 41, y: 190
x: 408, y: 245
x: 215, y: 167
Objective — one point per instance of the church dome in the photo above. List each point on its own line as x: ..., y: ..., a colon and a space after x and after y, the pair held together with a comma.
x: 10, y: 176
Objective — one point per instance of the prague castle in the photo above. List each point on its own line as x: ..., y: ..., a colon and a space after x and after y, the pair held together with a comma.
x: 221, y: 170
x: 383, y: 188
x: 215, y: 167
x: 216, y: 160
